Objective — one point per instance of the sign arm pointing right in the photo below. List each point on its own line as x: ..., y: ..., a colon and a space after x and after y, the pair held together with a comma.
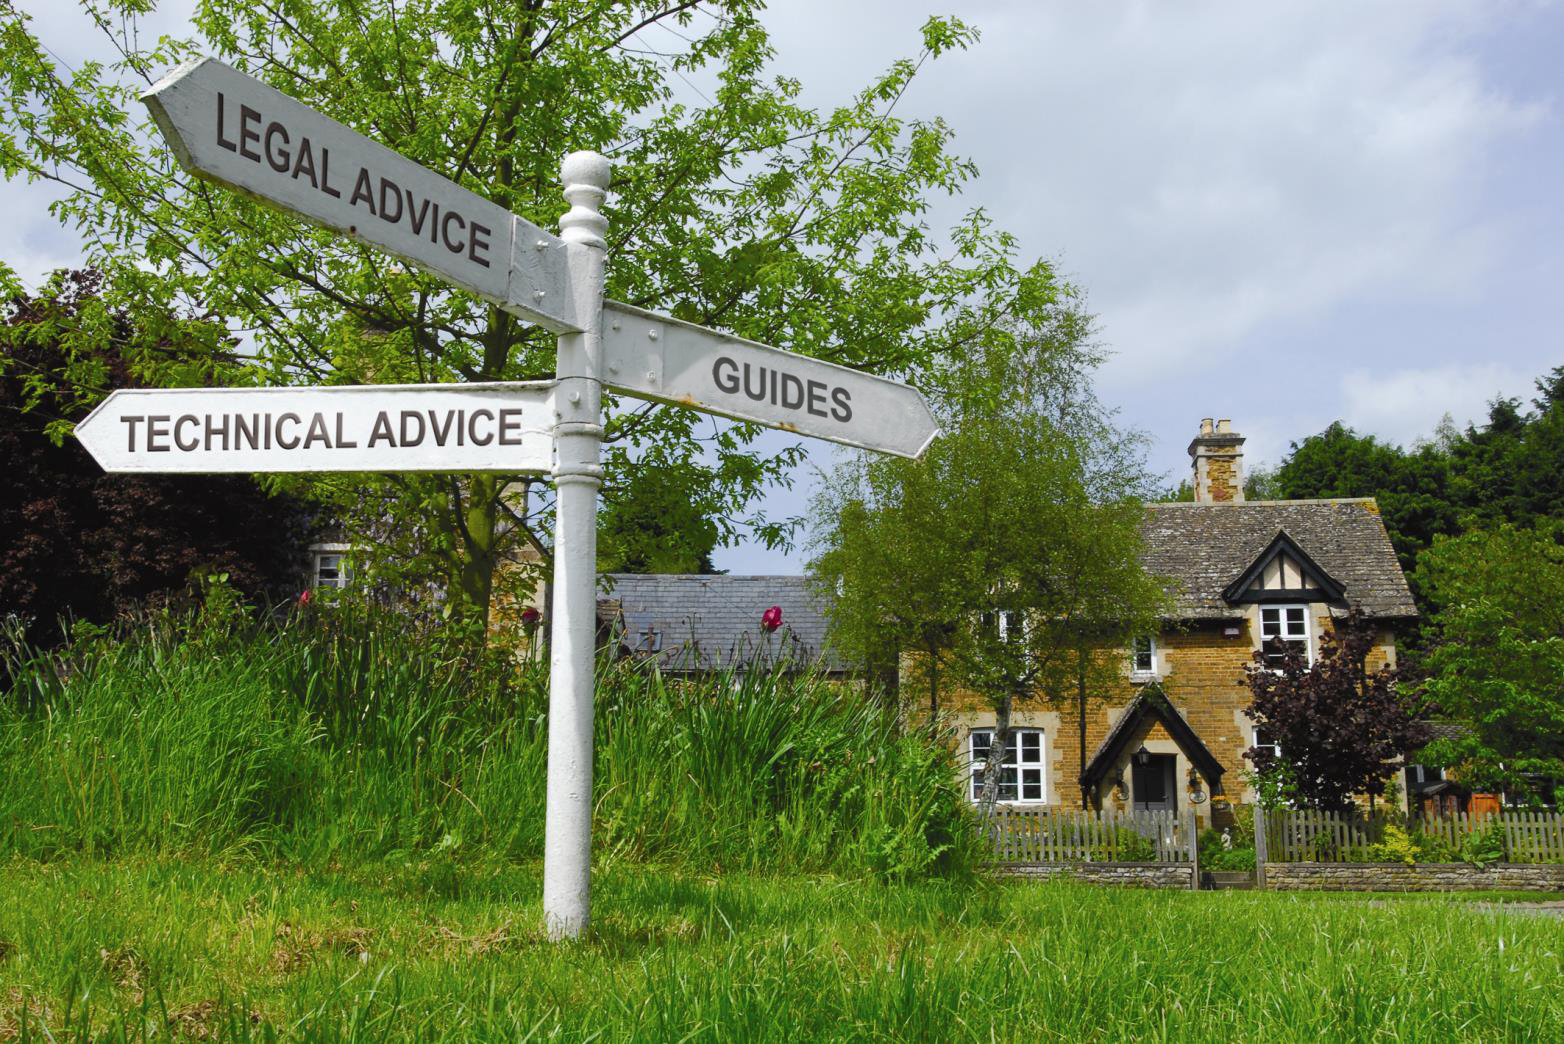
x: 658, y: 357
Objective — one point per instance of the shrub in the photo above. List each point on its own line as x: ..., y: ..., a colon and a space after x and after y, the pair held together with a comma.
x: 1226, y: 849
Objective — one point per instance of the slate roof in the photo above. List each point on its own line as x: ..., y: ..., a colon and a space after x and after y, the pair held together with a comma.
x: 700, y: 623
x: 1201, y: 548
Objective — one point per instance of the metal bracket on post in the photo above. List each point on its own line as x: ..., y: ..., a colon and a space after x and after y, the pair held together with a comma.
x: 567, y: 843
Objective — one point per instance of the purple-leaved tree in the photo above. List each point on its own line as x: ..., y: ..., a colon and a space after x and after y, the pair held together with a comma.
x: 1334, y: 728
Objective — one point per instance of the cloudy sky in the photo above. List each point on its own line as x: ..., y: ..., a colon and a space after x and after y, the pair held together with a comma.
x: 1283, y: 213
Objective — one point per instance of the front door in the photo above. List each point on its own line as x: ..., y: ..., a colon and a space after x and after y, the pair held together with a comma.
x: 1151, y: 784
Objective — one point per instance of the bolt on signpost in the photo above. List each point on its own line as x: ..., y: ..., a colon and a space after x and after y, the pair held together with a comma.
x: 228, y: 128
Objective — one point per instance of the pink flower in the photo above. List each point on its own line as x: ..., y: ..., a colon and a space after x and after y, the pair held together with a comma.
x: 771, y: 619
x: 530, y: 617
x: 305, y: 599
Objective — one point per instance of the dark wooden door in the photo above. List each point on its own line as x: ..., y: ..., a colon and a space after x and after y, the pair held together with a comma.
x: 1151, y: 784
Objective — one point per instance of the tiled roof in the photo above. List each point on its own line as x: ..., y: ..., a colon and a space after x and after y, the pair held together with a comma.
x: 1201, y: 548
x: 699, y: 622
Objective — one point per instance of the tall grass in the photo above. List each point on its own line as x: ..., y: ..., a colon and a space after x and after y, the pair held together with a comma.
x: 344, y: 737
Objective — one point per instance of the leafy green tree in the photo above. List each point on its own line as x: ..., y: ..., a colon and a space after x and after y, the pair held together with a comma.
x: 1007, y: 557
x: 1497, y: 661
x: 744, y: 210
x: 650, y: 525
x: 1413, y: 487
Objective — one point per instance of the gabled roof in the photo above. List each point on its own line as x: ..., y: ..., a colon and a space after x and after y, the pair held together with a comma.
x: 1151, y: 704
x: 1318, y: 584
x: 1198, y: 549
x: 700, y: 622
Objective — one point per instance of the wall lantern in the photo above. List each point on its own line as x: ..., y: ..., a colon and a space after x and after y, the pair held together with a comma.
x: 1196, y: 794
x: 1143, y: 756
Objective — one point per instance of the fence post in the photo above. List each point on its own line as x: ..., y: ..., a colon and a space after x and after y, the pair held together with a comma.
x: 1260, y: 852
x: 1194, y: 850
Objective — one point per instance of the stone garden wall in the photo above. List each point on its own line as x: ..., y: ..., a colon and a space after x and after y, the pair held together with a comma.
x: 1135, y: 875
x: 1424, y: 877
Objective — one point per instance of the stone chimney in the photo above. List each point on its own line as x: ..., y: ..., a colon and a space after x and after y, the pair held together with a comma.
x: 1218, y: 455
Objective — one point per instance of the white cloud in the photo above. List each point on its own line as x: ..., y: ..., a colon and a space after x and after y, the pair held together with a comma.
x: 1406, y: 405
x: 1211, y: 170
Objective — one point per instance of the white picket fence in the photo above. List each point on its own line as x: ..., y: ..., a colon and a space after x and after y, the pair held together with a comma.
x: 1053, y: 834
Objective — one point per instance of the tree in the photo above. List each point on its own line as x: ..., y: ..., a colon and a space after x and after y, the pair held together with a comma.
x: 1007, y: 556
x: 1341, y: 728
x: 1497, y: 659
x: 745, y: 210
x: 1413, y: 488
x: 649, y: 525
x: 76, y: 544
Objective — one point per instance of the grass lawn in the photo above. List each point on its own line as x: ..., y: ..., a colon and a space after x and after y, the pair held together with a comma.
x: 204, y: 948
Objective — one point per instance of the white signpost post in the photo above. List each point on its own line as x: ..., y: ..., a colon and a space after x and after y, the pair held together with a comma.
x: 234, y: 130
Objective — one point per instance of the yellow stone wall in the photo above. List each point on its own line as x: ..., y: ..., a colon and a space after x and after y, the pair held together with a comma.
x: 1201, y: 669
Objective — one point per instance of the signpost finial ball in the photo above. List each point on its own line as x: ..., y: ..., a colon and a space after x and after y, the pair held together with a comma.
x: 585, y: 168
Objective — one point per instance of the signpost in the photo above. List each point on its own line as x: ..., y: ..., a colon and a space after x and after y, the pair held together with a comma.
x: 237, y: 131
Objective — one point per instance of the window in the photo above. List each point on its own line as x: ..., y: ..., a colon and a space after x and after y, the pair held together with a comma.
x: 1020, y: 774
x: 1284, y: 623
x: 329, y: 566
x: 1143, y: 659
x: 1263, y: 741
x: 1004, y: 623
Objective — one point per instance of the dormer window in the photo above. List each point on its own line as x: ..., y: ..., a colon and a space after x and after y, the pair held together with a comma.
x: 1143, y: 657
x: 1280, y: 624
x: 1284, y: 573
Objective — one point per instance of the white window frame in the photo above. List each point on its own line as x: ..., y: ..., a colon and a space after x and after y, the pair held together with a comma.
x: 1306, y: 638
x: 1152, y: 651
x: 1254, y: 741
x: 318, y: 555
x: 1026, y: 764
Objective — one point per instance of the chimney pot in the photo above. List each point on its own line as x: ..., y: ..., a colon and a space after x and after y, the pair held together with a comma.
x: 1224, y: 426
x: 1205, y: 426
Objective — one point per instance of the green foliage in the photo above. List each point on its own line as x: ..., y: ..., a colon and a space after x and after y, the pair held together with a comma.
x: 1397, y: 846
x: 747, y: 210
x: 343, y: 737
x: 1132, y: 848
x: 649, y: 524
x: 1229, y: 849
x: 1497, y: 661
x: 1508, y: 470
x: 1485, y: 846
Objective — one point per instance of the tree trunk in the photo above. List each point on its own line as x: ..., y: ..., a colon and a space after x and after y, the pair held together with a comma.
x: 933, y: 692
x: 1080, y: 684
x: 996, y: 753
x: 480, y: 529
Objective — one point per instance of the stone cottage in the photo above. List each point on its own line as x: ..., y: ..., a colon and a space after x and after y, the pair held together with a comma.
x: 1172, y: 733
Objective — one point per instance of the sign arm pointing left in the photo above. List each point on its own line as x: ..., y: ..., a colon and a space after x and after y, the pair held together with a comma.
x: 235, y: 130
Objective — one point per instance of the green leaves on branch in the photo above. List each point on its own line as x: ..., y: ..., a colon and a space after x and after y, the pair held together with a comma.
x: 738, y: 207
